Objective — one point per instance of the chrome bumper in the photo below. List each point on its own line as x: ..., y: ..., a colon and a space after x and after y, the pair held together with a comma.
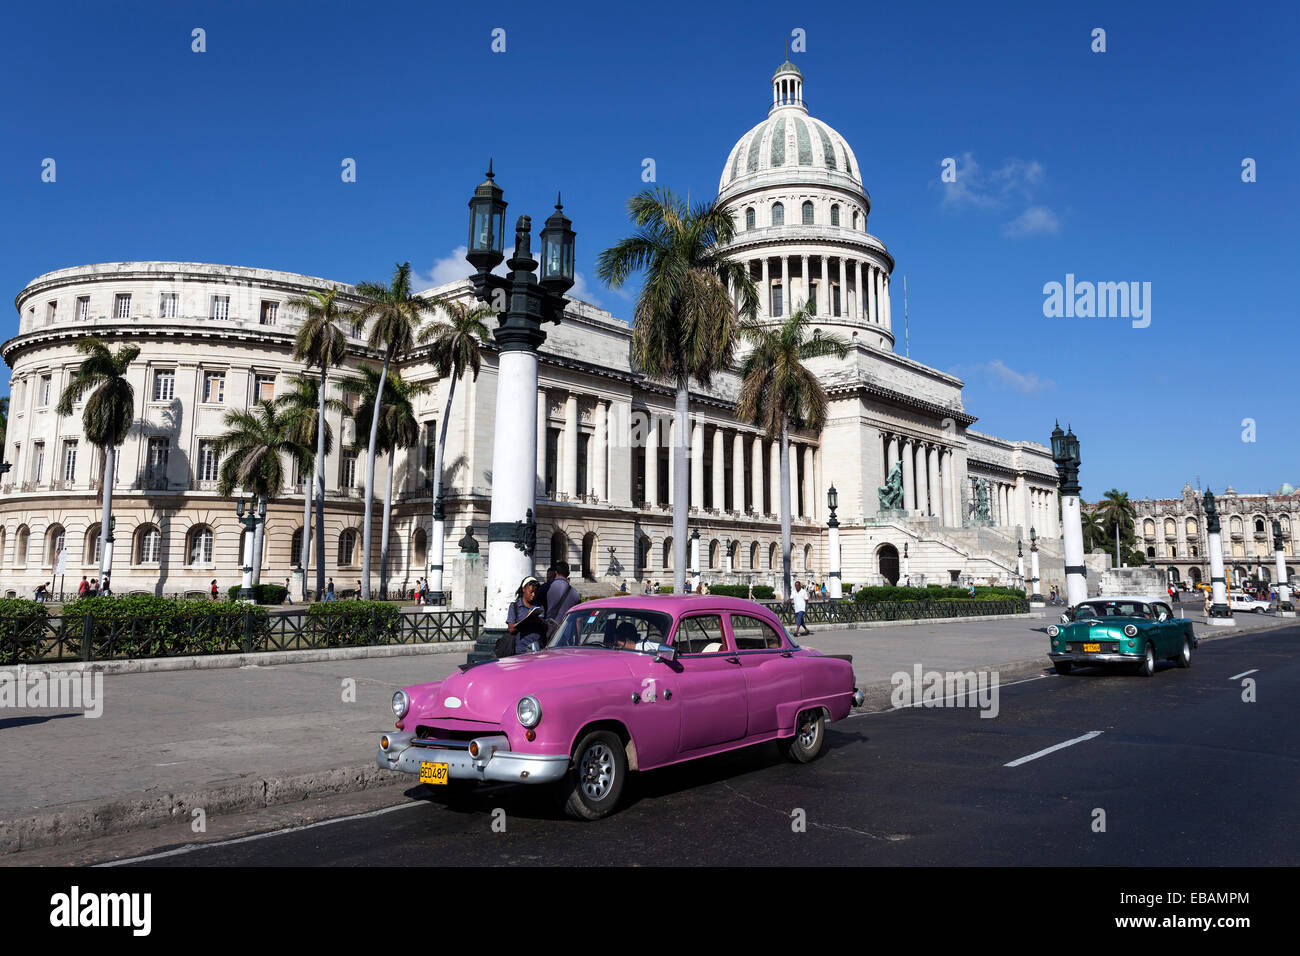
x: 495, y: 761
x: 1082, y: 657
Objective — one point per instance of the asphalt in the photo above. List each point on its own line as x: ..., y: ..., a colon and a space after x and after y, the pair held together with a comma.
x: 238, y: 738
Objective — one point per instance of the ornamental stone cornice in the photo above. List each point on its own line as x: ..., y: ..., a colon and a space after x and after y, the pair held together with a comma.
x: 900, y: 399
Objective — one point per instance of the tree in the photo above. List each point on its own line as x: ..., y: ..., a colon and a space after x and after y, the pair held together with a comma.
x: 1120, y: 517
x: 106, y: 419
x: 301, y: 407
x: 322, y: 344
x: 779, y: 392
x: 1093, y: 531
x: 398, y: 428
x: 251, y: 450
x: 394, y: 314
x: 456, y: 347
x: 685, y: 320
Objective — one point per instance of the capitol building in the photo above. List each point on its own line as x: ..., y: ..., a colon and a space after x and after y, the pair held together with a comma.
x: 215, y: 338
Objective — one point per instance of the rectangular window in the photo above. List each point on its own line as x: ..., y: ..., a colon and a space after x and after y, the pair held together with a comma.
x: 812, y: 298
x: 220, y: 310
x: 159, y: 452
x: 430, y: 450
x: 349, y: 477
x: 51, y: 312
x: 835, y: 300
x: 168, y: 305
x: 164, y: 385
x: 83, y: 308
x: 357, y: 329
x: 43, y: 393
x: 38, y: 461
x: 122, y: 306
x: 778, y: 303
x: 352, y: 401
x: 150, y: 547
x: 208, y: 463
x: 70, y: 460
x: 269, y: 312
x: 214, y: 387
x: 265, y: 388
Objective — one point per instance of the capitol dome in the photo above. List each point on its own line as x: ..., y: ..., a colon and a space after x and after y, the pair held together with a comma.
x: 789, y: 145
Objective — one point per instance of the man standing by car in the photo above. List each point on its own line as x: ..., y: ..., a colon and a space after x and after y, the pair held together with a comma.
x: 800, y: 601
x: 561, y: 596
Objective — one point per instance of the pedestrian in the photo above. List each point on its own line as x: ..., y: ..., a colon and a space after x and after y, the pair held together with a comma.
x: 329, y: 590
x: 1207, y: 603
x: 971, y: 592
x: 213, y: 589
x: 526, y: 618
x: 561, y: 597
x: 288, y: 593
x: 358, y: 589
x: 751, y: 591
x: 800, y: 601
x: 622, y: 589
x: 104, y: 589
x: 83, y: 588
x: 39, y: 593
x: 93, y: 591
x: 688, y: 585
x: 704, y: 588
x: 545, y: 586
x: 416, y: 595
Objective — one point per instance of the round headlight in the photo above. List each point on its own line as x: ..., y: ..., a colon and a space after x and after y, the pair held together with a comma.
x: 1131, y: 630
x: 529, y: 711
x: 1053, y: 631
x: 401, y: 704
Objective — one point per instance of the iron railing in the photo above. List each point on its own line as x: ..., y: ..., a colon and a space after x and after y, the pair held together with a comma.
x: 54, y: 639
x: 851, y: 612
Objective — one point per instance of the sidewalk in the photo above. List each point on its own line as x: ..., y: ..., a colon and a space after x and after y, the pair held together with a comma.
x: 238, y: 738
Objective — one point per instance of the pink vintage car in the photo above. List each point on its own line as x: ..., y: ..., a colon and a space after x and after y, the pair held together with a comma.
x: 625, y: 684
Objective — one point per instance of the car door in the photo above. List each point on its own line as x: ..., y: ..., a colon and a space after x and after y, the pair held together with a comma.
x: 707, y: 684
x: 770, y: 670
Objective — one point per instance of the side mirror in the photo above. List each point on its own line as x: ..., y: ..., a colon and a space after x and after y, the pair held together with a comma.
x: 1163, y: 617
x: 1065, y: 619
x: 666, y: 653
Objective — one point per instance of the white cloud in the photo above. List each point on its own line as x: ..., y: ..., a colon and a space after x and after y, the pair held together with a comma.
x: 1000, y: 375
x: 1034, y: 221
x: 453, y: 268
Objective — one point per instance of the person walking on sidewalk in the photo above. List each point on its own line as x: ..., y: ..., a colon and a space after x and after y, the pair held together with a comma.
x: 800, y: 601
x: 214, y: 589
x: 561, y: 597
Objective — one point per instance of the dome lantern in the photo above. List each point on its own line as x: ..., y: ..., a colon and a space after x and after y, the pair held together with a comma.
x: 787, y: 87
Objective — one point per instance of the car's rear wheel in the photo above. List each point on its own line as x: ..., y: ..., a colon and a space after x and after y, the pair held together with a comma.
x: 1184, y: 657
x: 596, y: 778
x: 1258, y: 610
x: 1063, y: 667
x: 809, y: 732
x: 1148, y: 665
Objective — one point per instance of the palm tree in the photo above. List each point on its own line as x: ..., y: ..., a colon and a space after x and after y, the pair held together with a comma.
x: 1093, y: 531
x: 456, y: 347
x: 106, y: 419
x: 685, y: 321
x: 398, y: 428
x: 301, y: 406
x: 251, y: 447
x: 778, y: 392
x: 1120, y: 516
x: 395, y: 315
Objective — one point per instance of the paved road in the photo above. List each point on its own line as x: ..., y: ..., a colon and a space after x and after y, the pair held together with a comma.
x: 1186, y: 772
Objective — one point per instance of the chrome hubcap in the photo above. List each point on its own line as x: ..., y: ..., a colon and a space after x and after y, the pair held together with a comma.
x: 808, y: 733
x: 596, y: 771
x: 1187, y: 651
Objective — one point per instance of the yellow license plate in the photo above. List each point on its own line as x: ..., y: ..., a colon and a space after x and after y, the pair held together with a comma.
x: 1087, y: 649
x: 435, y: 773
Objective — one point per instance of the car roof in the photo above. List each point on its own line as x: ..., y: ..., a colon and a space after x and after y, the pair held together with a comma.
x: 678, y: 603
x: 1141, y: 599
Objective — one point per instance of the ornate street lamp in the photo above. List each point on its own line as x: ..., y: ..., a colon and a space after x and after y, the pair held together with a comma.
x: 833, y: 545
x: 1035, y: 598
x: 1065, y: 453
x: 522, y: 304
x: 247, y: 518
x: 1220, y: 610
x: 1284, y: 606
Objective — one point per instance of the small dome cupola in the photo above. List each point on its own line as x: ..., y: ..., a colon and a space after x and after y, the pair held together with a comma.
x: 787, y: 87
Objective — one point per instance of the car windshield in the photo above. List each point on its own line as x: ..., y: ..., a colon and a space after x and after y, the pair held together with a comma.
x: 1113, y: 609
x: 616, y: 628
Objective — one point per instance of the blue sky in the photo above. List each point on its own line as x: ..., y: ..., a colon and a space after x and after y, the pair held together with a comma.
x: 1117, y: 166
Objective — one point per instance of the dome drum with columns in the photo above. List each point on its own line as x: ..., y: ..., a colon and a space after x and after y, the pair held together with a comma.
x: 219, y: 337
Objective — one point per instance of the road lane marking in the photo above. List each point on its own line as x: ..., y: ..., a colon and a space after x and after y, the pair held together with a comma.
x: 1254, y: 670
x: 1055, y: 747
x: 892, y: 710
x: 192, y: 847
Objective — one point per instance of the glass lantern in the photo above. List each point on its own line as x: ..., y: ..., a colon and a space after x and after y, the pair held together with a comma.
x: 557, y: 251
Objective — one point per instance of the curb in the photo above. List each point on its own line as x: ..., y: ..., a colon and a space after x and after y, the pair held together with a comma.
x: 145, y: 665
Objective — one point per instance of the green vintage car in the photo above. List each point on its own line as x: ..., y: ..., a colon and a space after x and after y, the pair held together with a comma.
x: 1121, y: 630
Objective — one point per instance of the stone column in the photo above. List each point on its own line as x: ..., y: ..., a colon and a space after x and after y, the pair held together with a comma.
x: 774, y: 476
x: 958, y: 514
x: 872, y: 293
x: 621, y: 465
x: 785, y: 285
x: 809, y: 473
x: 697, y: 466
x: 922, y: 480
x: 945, y: 496
x: 570, y: 483
x: 738, y: 472
x: 652, y: 460
x: 599, y: 452
x: 824, y: 289
x: 543, y: 412
x: 1022, y: 506
x: 765, y: 300
x: 888, y: 300
x: 891, y: 454
x: 936, y: 494
x: 756, y: 473
x: 794, y: 480
x: 909, y: 478
x: 672, y: 458
x: 805, y: 287
x: 859, y: 294
x: 719, y: 470
x: 833, y: 559
x: 1076, y: 581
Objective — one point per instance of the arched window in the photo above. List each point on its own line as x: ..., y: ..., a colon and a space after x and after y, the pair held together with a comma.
x: 668, y: 554
x: 1259, y: 525
x: 295, y: 549
x: 715, y: 550
x: 347, y: 548
x: 1235, y: 525
x: 855, y: 219
x: 807, y: 557
x: 808, y: 217
x: 771, y: 556
x: 148, y: 545
x: 753, y: 556
x: 2, y: 547
x: 1151, y: 551
x: 91, y: 553
x: 198, y: 545
x: 559, y: 547
x: 54, y: 542
x: 21, y: 540
x: 1171, y: 529
x: 835, y: 215
x: 1149, y: 528
x: 1191, y: 526
x: 778, y: 214
x: 420, y: 546
x: 749, y: 218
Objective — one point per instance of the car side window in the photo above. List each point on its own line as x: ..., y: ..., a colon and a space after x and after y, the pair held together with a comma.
x: 753, y: 634
x: 700, y: 634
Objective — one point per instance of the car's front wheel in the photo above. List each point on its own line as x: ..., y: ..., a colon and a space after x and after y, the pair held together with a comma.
x: 1148, y: 665
x: 1184, y: 657
x: 806, y: 744
x: 596, y: 778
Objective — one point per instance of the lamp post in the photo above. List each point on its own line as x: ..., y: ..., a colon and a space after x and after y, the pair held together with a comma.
x: 522, y: 303
x: 833, y: 545
x: 695, y: 559
x: 1065, y: 453
x: 1035, y: 599
x: 1220, y: 611
x: 1284, y: 606
x: 247, y: 518
x: 907, y: 572
x: 1020, y: 561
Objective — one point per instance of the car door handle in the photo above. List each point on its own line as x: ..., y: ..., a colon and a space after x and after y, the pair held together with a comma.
x: 733, y: 660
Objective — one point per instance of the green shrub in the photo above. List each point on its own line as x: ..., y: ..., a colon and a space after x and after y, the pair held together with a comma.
x: 353, y: 623
x: 262, y: 594
x: 877, y: 595
x: 149, y: 626
x: 22, y: 627
x: 762, y: 592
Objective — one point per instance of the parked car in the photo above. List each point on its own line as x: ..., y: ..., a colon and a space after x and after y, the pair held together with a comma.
x: 626, y: 684
x: 1241, y: 601
x: 1121, y: 630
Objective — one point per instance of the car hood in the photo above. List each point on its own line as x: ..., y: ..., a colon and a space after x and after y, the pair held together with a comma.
x: 486, y: 691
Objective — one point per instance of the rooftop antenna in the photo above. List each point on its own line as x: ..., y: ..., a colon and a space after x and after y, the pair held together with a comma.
x: 907, y: 346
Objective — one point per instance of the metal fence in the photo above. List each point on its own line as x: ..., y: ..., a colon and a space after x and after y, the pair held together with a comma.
x: 53, y: 639
x: 851, y: 612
